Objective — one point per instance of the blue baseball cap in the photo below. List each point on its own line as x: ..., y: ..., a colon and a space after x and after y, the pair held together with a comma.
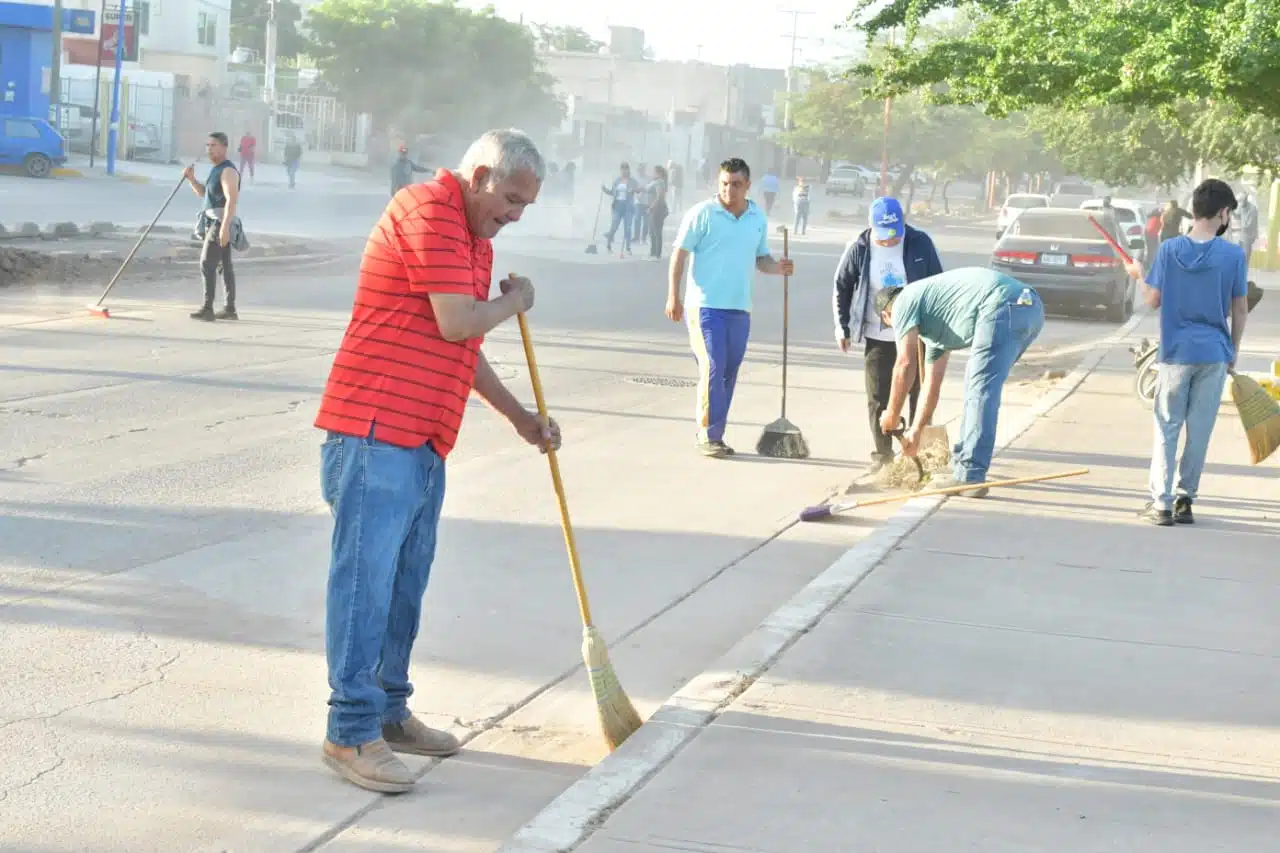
x: 887, y: 219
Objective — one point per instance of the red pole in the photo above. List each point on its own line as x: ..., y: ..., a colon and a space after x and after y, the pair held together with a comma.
x: 884, y: 152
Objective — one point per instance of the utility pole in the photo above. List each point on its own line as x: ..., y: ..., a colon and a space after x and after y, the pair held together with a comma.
x: 113, y: 129
x: 269, y: 83
x: 55, y: 69
x: 794, y: 35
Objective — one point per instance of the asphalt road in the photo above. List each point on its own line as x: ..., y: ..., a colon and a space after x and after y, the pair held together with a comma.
x: 163, y: 546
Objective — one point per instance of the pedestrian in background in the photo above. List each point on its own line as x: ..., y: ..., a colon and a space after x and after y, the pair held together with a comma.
x: 657, y: 211
x: 1248, y: 214
x: 248, y: 153
x: 218, y: 227
x: 995, y: 317
x: 800, y: 201
x: 640, y: 206
x: 728, y: 237
x: 675, y: 175
x: 623, y: 190
x: 402, y: 169
x: 1199, y: 284
x: 392, y: 409
x: 292, y: 158
x: 887, y: 254
x: 769, y: 188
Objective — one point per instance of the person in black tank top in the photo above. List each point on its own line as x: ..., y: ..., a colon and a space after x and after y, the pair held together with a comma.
x: 221, y: 194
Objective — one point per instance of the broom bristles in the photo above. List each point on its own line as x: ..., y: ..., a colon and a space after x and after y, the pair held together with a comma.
x: 782, y: 440
x: 618, y: 717
x: 1259, y: 414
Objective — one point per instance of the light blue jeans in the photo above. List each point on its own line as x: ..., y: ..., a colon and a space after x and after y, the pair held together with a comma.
x: 1000, y: 339
x: 385, y: 502
x: 1186, y: 394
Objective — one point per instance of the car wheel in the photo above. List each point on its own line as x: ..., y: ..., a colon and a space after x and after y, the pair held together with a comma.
x: 38, y: 165
x: 1120, y: 311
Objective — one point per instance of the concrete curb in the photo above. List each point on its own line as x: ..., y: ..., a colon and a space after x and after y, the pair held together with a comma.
x: 585, y: 806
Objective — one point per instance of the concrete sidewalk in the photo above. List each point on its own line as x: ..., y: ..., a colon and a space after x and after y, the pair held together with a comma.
x: 1039, y: 671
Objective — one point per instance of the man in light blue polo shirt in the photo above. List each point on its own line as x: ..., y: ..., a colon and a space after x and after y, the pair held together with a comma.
x: 728, y: 237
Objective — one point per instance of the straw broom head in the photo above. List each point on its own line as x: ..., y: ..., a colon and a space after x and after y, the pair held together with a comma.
x: 618, y: 717
x: 1259, y: 414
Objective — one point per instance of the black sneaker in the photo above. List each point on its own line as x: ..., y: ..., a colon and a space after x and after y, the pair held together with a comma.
x: 1157, y: 516
x: 715, y: 449
x: 877, y: 465
x: 227, y: 313
x: 1182, y: 511
x: 205, y: 313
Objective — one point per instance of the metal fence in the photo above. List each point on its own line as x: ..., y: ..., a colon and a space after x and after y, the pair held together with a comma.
x: 146, y: 113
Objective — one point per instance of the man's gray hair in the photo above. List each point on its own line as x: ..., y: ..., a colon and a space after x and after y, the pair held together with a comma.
x: 505, y: 152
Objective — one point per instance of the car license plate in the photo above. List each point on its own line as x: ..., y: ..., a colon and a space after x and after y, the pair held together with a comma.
x: 1053, y: 260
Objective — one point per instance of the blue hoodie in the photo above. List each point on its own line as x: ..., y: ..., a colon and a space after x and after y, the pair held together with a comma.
x: 1197, y: 282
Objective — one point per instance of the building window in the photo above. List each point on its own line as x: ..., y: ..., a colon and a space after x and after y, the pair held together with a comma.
x: 207, y: 29
x: 142, y: 13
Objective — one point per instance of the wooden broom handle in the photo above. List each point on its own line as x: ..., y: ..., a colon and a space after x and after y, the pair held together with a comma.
x: 968, y: 487
x: 578, y: 586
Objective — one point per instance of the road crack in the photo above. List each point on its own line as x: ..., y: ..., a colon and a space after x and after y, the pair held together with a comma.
x: 289, y: 409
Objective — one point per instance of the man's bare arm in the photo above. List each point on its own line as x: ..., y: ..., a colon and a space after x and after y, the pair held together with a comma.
x: 496, y: 395
x: 675, y: 272
x: 935, y: 371
x: 904, y: 374
x: 231, y: 189
x: 460, y: 316
x: 1239, y: 315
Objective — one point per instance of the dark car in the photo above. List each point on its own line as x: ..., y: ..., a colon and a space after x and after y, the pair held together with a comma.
x: 1059, y: 253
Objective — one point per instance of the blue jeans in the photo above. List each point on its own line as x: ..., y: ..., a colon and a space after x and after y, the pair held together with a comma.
x: 1000, y: 339
x: 385, y: 502
x: 802, y: 218
x: 718, y: 337
x: 622, y: 216
x: 1185, y: 394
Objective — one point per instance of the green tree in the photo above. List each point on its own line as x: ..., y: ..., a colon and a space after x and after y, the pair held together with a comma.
x: 1118, y: 145
x: 1084, y: 52
x: 249, y: 27
x: 831, y: 119
x: 548, y: 37
x: 432, y: 67
x: 1234, y: 139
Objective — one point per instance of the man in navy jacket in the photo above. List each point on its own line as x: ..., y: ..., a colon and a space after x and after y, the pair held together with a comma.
x: 889, y: 253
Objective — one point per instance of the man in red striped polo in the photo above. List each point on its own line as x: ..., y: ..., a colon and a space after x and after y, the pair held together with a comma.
x: 392, y: 409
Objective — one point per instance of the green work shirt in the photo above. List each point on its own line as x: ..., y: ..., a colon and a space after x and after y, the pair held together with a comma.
x: 945, y: 308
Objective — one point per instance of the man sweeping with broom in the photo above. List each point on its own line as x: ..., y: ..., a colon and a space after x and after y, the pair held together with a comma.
x: 728, y: 237
x: 1199, y: 284
x: 392, y: 408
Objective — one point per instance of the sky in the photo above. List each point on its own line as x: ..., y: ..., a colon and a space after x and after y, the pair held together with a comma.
x: 723, y: 32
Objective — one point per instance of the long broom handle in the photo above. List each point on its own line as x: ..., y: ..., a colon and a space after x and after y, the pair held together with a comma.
x: 138, y: 245
x: 786, y: 319
x: 578, y: 586
x: 963, y: 487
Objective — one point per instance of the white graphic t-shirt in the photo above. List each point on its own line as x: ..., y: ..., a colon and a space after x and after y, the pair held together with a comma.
x: 887, y: 270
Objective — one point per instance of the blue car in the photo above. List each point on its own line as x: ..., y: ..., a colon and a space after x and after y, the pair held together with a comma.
x: 32, y: 143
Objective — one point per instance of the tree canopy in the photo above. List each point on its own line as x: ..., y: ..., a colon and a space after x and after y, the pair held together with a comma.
x: 249, y: 27
x: 1081, y: 53
x: 432, y: 67
x: 548, y: 37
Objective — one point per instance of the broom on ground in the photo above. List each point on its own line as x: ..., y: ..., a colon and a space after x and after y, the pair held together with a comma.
x: 1259, y: 414
x: 618, y: 717
x: 783, y: 439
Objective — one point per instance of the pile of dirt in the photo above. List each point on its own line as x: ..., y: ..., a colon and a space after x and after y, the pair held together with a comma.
x: 19, y: 265
x: 901, y: 474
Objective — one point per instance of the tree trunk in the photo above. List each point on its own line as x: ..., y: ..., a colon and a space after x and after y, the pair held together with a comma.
x: 933, y: 192
x: 946, y: 205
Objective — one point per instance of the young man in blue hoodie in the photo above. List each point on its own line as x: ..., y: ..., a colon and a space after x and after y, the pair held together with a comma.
x: 1199, y: 284
x: 890, y: 253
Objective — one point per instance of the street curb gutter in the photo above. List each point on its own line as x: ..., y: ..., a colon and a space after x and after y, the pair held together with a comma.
x: 584, y: 806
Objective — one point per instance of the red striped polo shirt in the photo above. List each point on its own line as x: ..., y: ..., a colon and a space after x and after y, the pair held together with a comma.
x: 395, y: 372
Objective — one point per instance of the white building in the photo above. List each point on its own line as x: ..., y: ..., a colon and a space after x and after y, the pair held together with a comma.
x: 188, y: 38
